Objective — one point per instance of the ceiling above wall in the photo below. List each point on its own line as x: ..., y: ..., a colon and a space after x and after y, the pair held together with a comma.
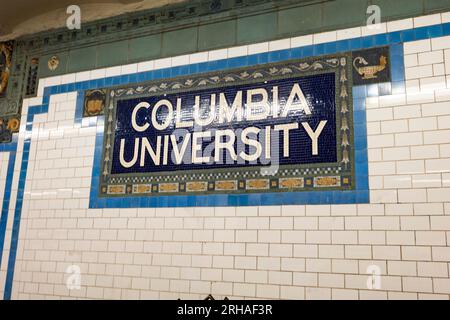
x: 20, y: 17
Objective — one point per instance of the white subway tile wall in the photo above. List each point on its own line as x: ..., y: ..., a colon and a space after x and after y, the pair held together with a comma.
x: 287, y: 252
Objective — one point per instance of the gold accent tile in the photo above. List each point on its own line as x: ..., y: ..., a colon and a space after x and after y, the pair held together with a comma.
x: 257, y: 184
x: 168, y: 187
x: 116, y: 189
x: 226, y: 185
x: 323, y: 182
x: 142, y: 188
x: 291, y: 183
x: 196, y: 186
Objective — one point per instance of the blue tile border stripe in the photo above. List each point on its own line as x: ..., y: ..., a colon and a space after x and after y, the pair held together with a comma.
x: 394, y: 39
x: 11, y: 148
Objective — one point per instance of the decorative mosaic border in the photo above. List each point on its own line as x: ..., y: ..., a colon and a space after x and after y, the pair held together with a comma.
x: 337, y: 175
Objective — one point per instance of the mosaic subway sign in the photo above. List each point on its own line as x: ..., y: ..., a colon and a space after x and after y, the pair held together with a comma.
x: 228, y: 127
x: 271, y: 128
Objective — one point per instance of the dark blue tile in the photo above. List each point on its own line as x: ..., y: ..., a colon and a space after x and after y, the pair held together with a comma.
x: 285, y: 54
x: 93, y: 84
x: 343, y: 46
x: 319, y: 49
x: 237, y: 62
x: 194, y: 68
x: 175, y: 71
x: 330, y: 48
x: 359, y: 104
x: 368, y: 42
x: 421, y: 33
x: 125, y: 79
x: 252, y: 60
x: 274, y: 56
x: 435, y: 31
x: 398, y: 72
x: 233, y: 200
x: 141, y: 77
x: 272, y: 199
x: 191, y: 201
x: 184, y: 70
x: 150, y: 75
x: 263, y: 58
x: 108, y: 82
x: 446, y: 29
x: 133, y: 78
x: 152, y: 202
x: 254, y: 199
x: 166, y: 73
x: 361, y: 141
x: 363, y: 196
x: 181, y: 201
x: 359, y: 92
x: 408, y: 35
x: 397, y: 50
x: 223, y: 64
x: 157, y: 74
x: 203, y: 67
x: 296, y: 53
x: 395, y: 37
x: 308, y: 51
x: 65, y: 88
x: 71, y: 87
x: 356, y: 44
x: 381, y: 40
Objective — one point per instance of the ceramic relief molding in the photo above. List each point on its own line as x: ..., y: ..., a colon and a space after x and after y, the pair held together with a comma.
x: 53, y: 63
x: 9, y: 123
x: 6, y: 49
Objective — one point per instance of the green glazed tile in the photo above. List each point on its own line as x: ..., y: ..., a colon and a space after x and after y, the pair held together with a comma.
x: 111, y: 54
x: 179, y: 41
x: 399, y: 8
x: 257, y: 28
x: 82, y: 59
x: 299, y: 20
x: 145, y: 48
x: 354, y: 13
x: 431, y: 5
x: 222, y: 34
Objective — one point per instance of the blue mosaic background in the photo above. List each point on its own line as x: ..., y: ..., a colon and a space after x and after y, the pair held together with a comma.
x: 319, y: 91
